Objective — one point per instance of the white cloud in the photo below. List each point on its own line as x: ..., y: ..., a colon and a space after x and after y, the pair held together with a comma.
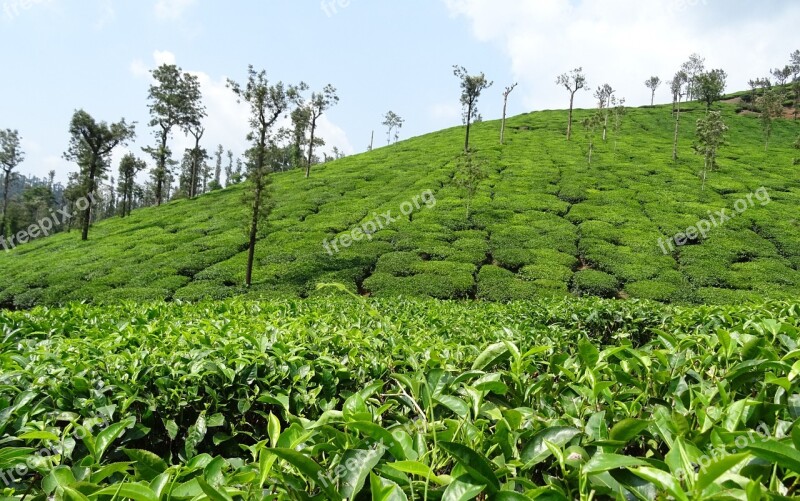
x: 623, y: 42
x: 163, y: 57
x: 171, y: 9
x: 107, y: 15
x: 446, y: 112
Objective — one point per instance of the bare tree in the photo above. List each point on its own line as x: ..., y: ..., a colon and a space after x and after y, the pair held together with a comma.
x: 506, y: 93
x: 319, y: 104
x: 573, y: 82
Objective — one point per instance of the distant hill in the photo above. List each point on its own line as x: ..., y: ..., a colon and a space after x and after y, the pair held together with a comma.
x: 542, y: 222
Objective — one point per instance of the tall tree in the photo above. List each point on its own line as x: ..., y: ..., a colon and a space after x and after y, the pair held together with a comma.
x: 218, y: 168
x: 782, y: 75
x: 129, y: 167
x: 267, y: 104
x: 471, y: 88
x: 619, y: 111
x: 693, y: 67
x: 91, y: 144
x: 11, y: 156
x: 229, y: 169
x: 573, y: 82
x: 677, y: 87
x: 710, y: 135
x: 506, y: 93
x: 710, y: 86
x: 196, y: 156
x: 175, y: 101
x: 652, y: 83
x: 320, y: 102
x: 590, y: 125
x: 392, y: 122
x: 770, y: 105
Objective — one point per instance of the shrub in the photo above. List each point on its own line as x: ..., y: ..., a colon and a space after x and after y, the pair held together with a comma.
x: 595, y: 283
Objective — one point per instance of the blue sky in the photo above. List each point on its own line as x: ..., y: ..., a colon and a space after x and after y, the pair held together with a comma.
x: 59, y: 55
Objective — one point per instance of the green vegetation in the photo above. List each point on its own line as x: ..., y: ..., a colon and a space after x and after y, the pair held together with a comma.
x: 539, y: 207
x: 274, y: 400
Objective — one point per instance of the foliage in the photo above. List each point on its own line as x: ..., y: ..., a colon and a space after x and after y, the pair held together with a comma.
x: 401, y: 399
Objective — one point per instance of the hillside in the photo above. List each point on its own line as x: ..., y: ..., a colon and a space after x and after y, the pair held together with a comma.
x: 542, y: 223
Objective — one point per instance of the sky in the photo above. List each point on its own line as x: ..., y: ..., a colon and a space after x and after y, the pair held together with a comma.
x: 61, y: 55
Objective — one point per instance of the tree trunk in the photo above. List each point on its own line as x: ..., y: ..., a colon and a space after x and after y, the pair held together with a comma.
x: 652, y: 97
x: 605, y: 127
x: 503, y: 123
x: 469, y: 119
x: 251, y: 249
x: 6, y: 185
x: 162, y: 166
x: 675, y: 139
x: 311, y: 145
x: 89, y: 196
x: 371, y: 140
x: 569, y: 121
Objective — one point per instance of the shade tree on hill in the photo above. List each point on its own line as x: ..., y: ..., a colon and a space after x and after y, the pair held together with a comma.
x: 710, y: 86
x: 267, y: 103
x: 471, y: 88
x: 319, y: 103
x: 175, y: 101
x: 652, y: 83
x: 508, y: 90
x: 678, y: 86
x: 618, y: 112
x: 90, y: 146
x: 603, y: 95
x: 770, y: 106
x: 11, y: 155
x: 573, y: 82
x: 695, y: 66
x: 129, y: 167
x: 393, y: 123
x: 470, y: 171
x: 710, y: 135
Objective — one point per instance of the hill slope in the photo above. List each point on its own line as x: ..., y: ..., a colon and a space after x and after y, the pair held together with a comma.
x: 543, y: 222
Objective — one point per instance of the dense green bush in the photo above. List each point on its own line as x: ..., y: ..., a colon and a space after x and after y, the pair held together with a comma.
x: 595, y: 283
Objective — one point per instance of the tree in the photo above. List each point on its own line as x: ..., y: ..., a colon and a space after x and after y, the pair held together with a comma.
x: 692, y: 68
x: 603, y: 95
x: 301, y: 120
x: 471, y: 88
x: 771, y: 107
x: 469, y: 173
x: 709, y: 86
x: 590, y: 125
x: 677, y: 87
x: 652, y: 83
x: 796, y: 145
x: 11, y: 156
x: 218, y: 166
x: 782, y: 75
x: 794, y: 64
x: 710, y: 135
x: 573, y: 82
x: 619, y: 111
x: 129, y: 167
x: 267, y: 103
x: 392, y: 122
x: 91, y: 144
x: 195, y: 157
x: 175, y: 101
x: 506, y: 93
x: 319, y: 104
x: 229, y: 169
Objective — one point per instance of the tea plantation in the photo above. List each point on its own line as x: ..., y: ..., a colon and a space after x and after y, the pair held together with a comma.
x: 542, y: 223
x: 400, y: 399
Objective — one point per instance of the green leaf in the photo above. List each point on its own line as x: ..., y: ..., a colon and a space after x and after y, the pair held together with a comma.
x: 717, y: 469
x: 358, y: 465
x: 273, y: 429
x: 491, y: 356
x: 312, y: 471
x: 213, y: 493
x: 778, y: 453
x: 628, y: 429
x: 536, y: 451
x: 10, y: 456
x: 462, y: 488
x: 108, y: 470
x: 418, y: 469
x: 588, y: 353
x: 605, y: 462
x: 476, y: 465
x: 40, y: 435
x: 60, y: 476
x: 382, y: 437
x: 146, y: 464
x: 136, y: 492
x: 107, y: 436
x: 385, y: 490
x: 662, y: 480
